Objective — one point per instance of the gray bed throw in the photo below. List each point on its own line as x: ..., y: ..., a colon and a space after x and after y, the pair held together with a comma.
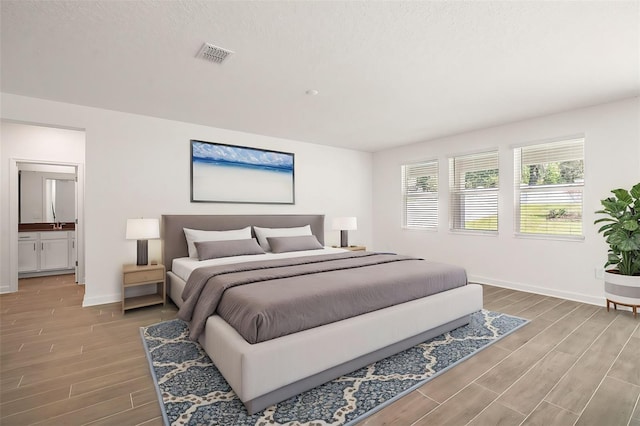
x: 268, y: 299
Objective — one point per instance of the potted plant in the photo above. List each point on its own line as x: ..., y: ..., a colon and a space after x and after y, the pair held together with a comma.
x: 621, y: 230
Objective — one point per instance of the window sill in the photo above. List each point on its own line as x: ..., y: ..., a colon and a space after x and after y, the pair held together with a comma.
x: 573, y: 238
x: 419, y: 229
x: 473, y: 232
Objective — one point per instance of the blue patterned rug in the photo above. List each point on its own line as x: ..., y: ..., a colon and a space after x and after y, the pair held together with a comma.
x: 193, y: 392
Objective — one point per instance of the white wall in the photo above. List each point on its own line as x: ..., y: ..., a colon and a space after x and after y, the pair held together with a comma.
x: 138, y: 166
x: 552, y: 267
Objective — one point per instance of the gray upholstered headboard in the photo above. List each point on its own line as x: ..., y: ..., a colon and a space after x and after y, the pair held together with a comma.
x: 174, y: 243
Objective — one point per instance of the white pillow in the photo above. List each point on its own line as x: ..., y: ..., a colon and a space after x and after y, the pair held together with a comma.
x: 193, y: 235
x: 264, y: 233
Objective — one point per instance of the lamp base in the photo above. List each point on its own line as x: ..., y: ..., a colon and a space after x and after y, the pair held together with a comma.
x: 143, y: 253
x: 344, y: 238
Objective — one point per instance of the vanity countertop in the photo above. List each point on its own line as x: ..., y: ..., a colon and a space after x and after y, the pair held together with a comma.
x: 42, y: 227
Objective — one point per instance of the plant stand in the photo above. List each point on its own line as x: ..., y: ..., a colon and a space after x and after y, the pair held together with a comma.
x: 634, y: 308
x: 623, y: 290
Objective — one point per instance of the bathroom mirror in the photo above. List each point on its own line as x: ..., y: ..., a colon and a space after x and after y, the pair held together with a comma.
x: 59, y: 200
x: 46, y: 196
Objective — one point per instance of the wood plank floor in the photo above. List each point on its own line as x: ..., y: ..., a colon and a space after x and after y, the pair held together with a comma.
x: 62, y: 364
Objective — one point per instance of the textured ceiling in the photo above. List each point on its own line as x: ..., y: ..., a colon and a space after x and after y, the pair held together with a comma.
x: 388, y: 73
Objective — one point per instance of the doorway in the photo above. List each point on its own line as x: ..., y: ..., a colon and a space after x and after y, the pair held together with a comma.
x: 23, y: 216
x: 47, y: 217
x: 39, y: 145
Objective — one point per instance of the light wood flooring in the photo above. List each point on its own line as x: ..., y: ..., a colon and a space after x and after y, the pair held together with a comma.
x: 62, y: 364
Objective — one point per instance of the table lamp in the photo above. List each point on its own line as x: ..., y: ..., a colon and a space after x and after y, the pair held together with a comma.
x: 345, y: 224
x: 143, y: 230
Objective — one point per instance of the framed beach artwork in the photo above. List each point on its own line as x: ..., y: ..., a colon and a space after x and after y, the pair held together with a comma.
x: 223, y: 173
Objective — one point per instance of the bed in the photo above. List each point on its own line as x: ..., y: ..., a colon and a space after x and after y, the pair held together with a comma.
x: 270, y: 371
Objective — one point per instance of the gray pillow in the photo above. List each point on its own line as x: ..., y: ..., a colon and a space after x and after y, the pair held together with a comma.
x: 264, y: 233
x: 215, y: 249
x: 193, y: 235
x: 297, y: 243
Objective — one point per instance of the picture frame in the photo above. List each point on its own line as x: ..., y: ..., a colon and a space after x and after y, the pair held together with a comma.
x: 223, y: 173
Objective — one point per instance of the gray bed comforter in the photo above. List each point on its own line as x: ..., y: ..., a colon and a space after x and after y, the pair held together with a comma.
x: 268, y: 299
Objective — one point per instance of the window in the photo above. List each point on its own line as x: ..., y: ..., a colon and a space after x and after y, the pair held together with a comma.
x: 549, y: 182
x: 473, y: 185
x: 420, y: 195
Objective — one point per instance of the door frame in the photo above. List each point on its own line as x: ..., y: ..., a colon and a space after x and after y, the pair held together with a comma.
x: 14, y: 218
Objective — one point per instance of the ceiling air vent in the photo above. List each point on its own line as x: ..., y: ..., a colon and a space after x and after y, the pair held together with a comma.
x: 213, y: 53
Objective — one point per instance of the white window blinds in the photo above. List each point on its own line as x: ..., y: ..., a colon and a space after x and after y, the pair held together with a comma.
x: 549, y: 182
x: 420, y: 195
x: 473, y: 186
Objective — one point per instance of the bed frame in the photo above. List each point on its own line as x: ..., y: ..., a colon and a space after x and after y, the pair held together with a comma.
x: 265, y: 373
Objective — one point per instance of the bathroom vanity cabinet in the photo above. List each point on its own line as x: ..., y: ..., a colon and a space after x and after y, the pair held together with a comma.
x: 46, y: 253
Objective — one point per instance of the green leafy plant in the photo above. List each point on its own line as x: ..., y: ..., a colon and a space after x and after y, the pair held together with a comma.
x: 622, y: 229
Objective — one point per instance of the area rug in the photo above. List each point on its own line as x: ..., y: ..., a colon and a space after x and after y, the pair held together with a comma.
x: 193, y: 392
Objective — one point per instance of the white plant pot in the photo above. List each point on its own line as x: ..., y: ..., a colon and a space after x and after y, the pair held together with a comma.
x: 622, y: 289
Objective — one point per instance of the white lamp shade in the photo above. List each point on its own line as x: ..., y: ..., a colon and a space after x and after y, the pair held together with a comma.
x: 143, y: 229
x: 345, y: 223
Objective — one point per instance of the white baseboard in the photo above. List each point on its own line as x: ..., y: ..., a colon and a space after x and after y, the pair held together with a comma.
x: 101, y: 300
x: 576, y: 297
x: 5, y: 289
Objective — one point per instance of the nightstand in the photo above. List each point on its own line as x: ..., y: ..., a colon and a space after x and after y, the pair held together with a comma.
x: 353, y: 248
x: 134, y: 276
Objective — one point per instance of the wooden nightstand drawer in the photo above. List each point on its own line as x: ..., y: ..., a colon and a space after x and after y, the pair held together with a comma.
x: 143, y: 276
